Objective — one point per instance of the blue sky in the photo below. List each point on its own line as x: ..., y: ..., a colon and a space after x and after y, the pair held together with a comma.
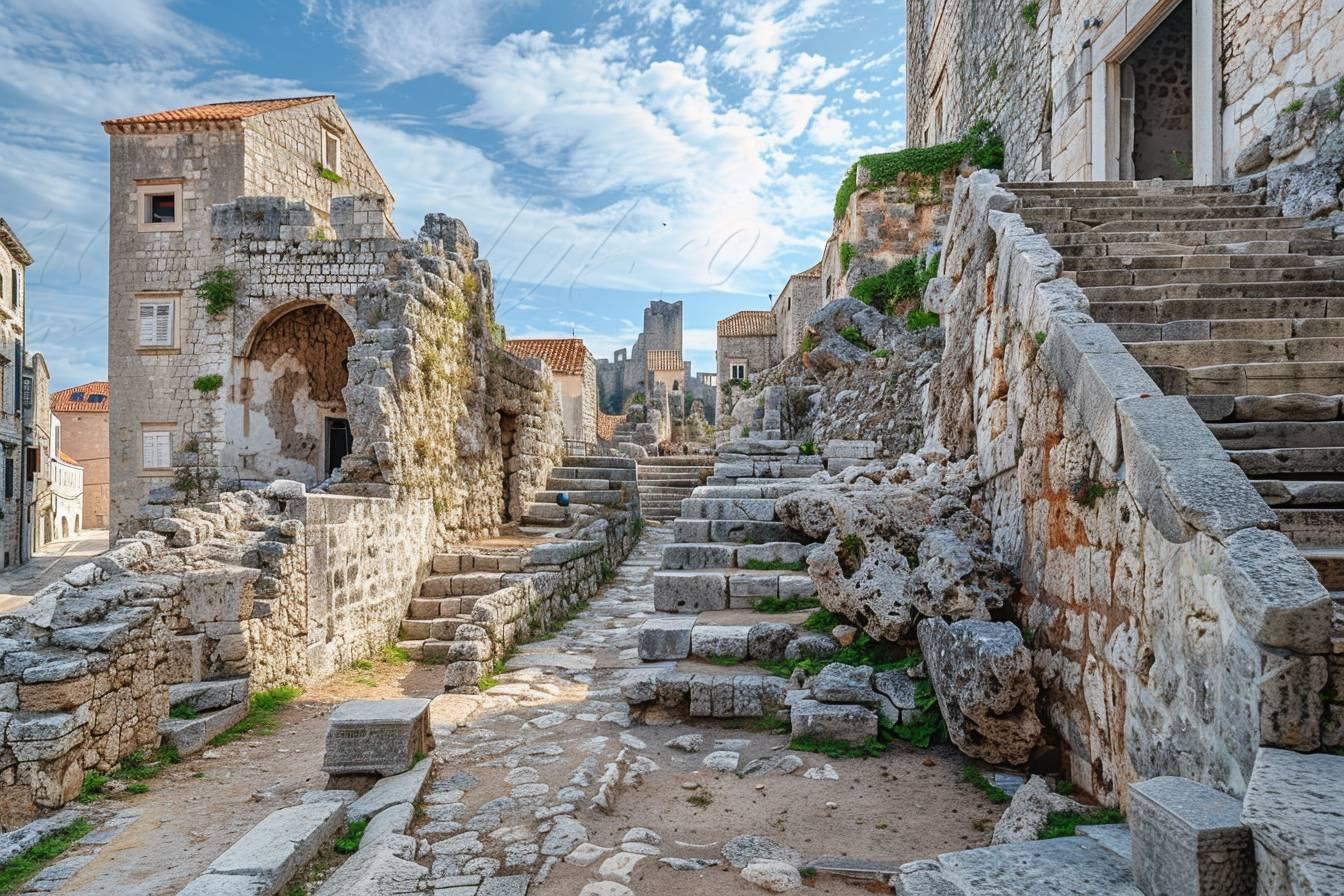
x: 603, y: 154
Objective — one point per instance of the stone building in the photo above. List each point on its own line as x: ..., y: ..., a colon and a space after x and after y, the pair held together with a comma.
x: 14, y: 498
x: 747, y: 343
x: 627, y: 372
x: 41, y: 436
x: 1178, y: 89
x: 198, y: 345
x: 66, y: 485
x: 575, y: 374
x: 801, y: 297
x: 82, y: 413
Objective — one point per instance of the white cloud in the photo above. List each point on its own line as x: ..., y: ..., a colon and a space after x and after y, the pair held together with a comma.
x: 864, y: 96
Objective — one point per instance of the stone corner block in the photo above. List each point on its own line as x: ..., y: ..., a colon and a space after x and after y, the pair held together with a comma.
x: 1188, y: 840
x: 1275, y: 592
x: 380, y: 737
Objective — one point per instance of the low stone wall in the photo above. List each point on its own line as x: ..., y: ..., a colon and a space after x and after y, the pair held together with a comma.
x: 556, y: 578
x: 1173, y: 630
x: 277, y: 586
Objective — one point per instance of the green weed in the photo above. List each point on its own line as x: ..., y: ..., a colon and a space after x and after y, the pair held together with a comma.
x: 1031, y: 14
x: 1065, y: 824
x: 785, y: 604
x: 973, y: 776
x: 838, y: 749
x: 349, y: 841
x: 23, y: 866
x: 781, y: 565
x: 261, y: 716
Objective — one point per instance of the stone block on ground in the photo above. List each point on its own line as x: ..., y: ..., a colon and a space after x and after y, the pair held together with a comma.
x: 382, y: 866
x: 832, y: 721
x: 403, y: 788
x: 720, y: 641
x: 896, y: 693
x: 769, y: 640
x: 1294, y: 807
x: 839, y: 683
x: 1077, y: 866
x: 378, y: 737
x: 1027, y: 813
x: 689, y: 592
x: 189, y: 736
x: 1187, y: 839
x: 280, y: 844
x: 666, y: 639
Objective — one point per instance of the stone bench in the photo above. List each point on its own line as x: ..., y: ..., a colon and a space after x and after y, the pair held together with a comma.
x: 377, y: 737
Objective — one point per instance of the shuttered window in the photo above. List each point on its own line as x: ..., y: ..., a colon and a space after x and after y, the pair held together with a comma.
x: 156, y: 323
x: 156, y: 449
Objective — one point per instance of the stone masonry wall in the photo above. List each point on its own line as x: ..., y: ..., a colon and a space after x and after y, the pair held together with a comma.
x: 1173, y: 630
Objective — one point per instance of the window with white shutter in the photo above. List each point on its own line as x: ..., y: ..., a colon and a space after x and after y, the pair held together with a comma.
x: 156, y: 449
x: 156, y: 323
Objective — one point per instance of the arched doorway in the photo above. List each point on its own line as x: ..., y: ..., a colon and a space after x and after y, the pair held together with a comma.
x: 293, y: 418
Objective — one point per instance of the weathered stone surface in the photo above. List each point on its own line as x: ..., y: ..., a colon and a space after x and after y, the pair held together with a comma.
x: 383, y: 864
x: 743, y: 850
x: 377, y: 736
x: 832, y: 721
x: 1188, y: 840
x: 772, y: 876
x: 280, y: 844
x: 981, y: 672
x: 1027, y: 812
x: 838, y: 683
x: 769, y: 640
x: 1294, y: 808
x: 403, y: 788
x: 1074, y: 865
x: 896, y: 691
x: 720, y: 641
x: 811, y: 645
x: 666, y: 639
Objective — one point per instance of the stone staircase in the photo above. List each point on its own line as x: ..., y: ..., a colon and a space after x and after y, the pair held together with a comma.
x: 1238, y: 308
x: 457, y: 580
x: 587, y: 480
x: 202, y: 710
x: 664, y: 481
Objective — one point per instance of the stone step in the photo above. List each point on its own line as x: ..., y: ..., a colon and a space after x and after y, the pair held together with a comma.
x: 1321, y: 248
x: 700, y: 590
x: 730, y: 556
x: 758, y: 509
x: 426, y: 649
x: 439, y: 607
x: 1314, y: 528
x: 1181, y: 230
x: 1210, y: 309
x: 1137, y: 199
x: 1300, y: 492
x: 443, y: 628
x: 206, y: 695
x: 1319, y: 377
x: 1259, y: 290
x: 1273, y: 462
x: 1250, y: 328
x: 556, y: 483
x: 736, y: 531
x: 1245, y: 408
x: 610, y: 474
x: 1091, y: 214
x: 1225, y: 275
x: 603, y: 461
x: 1155, y: 186
x: 583, y: 496
x: 706, y: 695
x: 674, y: 460
x: 1329, y: 565
x: 1066, y: 866
x: 1268, y: 434
x: 1146, y: 260
x: 453, y: 562
x: 675, y: 491
x: 1203, y: 352
x: 1260, y: 239
x: 462, y: 584
x: 540, y: 514
x: 189, y: 736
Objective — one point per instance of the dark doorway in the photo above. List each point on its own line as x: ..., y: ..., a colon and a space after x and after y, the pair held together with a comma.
x: 339, y: 443
x: 508, y: 431
x: 1157, y: 103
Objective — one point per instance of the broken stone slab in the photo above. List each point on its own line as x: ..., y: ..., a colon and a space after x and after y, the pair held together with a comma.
x: 395, y: 819
x: 225, y: 885
x: 839, y: 683
x: 896, y: 692
x: 1294, y: 807
x: 379, y: 737
x: 1188, y: 840
x: 769, y: 640
x: 280, y: 844
x: 1077, y: 866
x: 1029, y: 810
x: 206, y: 695
x: 742, y: 851
x: 720, y: 641
x: 832, y: 721
x: 403, y: 788
x: 382, y: 865
x: 981, y: 672
x: 666, y: 639
x: 189, y: 736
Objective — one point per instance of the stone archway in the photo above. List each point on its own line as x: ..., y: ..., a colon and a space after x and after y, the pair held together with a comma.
x: 289, y: 399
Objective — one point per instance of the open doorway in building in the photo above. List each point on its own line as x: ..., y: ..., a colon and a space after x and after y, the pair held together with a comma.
x: 1156, y: 102
x: 508, y: 431
x: 339, y: 443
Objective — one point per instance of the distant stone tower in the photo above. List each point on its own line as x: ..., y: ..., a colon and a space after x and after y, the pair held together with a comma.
x: 624, y: 375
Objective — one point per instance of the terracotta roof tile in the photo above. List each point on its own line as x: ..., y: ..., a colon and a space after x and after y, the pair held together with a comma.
x: 92, y: 397
x: 663, y: 359
x: 748, y: 323
x: 211, y: 112
x: 563, y: 356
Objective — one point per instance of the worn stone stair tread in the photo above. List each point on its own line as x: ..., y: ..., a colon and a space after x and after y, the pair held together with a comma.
x: 189, y: 736
x: 1275, y: 434
x: 206, y: 695
x: 1066, y: 866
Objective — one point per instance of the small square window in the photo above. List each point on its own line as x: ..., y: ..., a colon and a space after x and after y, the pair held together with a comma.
x: 156, y: 449
x: 738, y: 372
x: 156, y: 322
x: 160, y: 206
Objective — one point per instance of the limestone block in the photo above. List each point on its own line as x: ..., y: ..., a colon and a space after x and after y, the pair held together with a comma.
x: 720, y: 641
x: 839, y: 683
x: 403, y: 788
x: 750, y: 586
x: 698, y: 556
x: 666, y: 639
x: 280, y: 844
x: 1274, y: 592
x: 832, y: 721
x: 679, y: 592
x: 897, y: 693
x: 1188, y: 840
x: 379, y: 737
x: 1294, y: 808
x: 769, y: 640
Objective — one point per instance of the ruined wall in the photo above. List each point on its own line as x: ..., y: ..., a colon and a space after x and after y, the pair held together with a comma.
x: 588, y: 417
x: 1173, y: 630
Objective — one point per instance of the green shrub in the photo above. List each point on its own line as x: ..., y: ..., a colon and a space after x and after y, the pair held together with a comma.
x: 852, y: 336
x: 1031, y: 14
x: 327, y: 174
x: 184, y: 711
x: 208, y: 383
x: 349, y: 841
x: 846, y: 256
x: 218, y: 289
x: 1040, y: 337
x: 1065, y: 788
x: 785, y: 605
x: 882, y: 353
x: 1296, y: 105
x: 904, y: 282
x: 847, y: 188
x: 92, y: 788
x: 807, y: 449
x: 917, y: 319
x: 823, y: 621
x: 1065, y: 824
x: 809, y: 343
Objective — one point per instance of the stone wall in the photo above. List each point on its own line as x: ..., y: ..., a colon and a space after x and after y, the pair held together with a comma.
x: 14, y: 261
x: 798, y: 300
x: 1173, y: 630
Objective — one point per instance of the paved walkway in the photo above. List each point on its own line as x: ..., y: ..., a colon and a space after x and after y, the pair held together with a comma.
x: 18, y: 585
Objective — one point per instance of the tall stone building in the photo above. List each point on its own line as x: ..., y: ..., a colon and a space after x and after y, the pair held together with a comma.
x: 575, y: 374
x: 14, y: 496
x: 627, y: 371
x: 747, y: 343
x: 1177, y: 89
x: 83, y: 414
x: 272, y: 378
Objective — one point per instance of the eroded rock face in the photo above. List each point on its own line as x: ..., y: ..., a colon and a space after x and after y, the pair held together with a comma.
x: 1027, y: 813
x: 900, y: 544
x: 981, y: 672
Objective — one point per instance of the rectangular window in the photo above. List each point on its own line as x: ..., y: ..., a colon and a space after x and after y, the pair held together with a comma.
x: 155, y: 322
x: 9, y: 477
x: 160, y: 205
x: 27, y: 392
x: 331, y: 151
x: 156, y: 449
x: 739, y: 372
x: 14, y: 287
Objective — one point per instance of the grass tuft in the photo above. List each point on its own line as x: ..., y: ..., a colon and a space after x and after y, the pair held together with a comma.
x: 839, y: 749
x: 22, y: 867
x: 261, y: 717
x: 184, y: 711
x: 785, y: 604
x: 781, y: 565
x: 349, y: 841
x: 1065, y: 824
x: 824, y: 621
x: 973, y: 776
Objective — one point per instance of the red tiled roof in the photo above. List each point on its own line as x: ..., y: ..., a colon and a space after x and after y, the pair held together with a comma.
x: 64, y: 401
x: 563, y: 356
x: 748, y: 323
x: 210, y: 112
x: 663, y: 359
